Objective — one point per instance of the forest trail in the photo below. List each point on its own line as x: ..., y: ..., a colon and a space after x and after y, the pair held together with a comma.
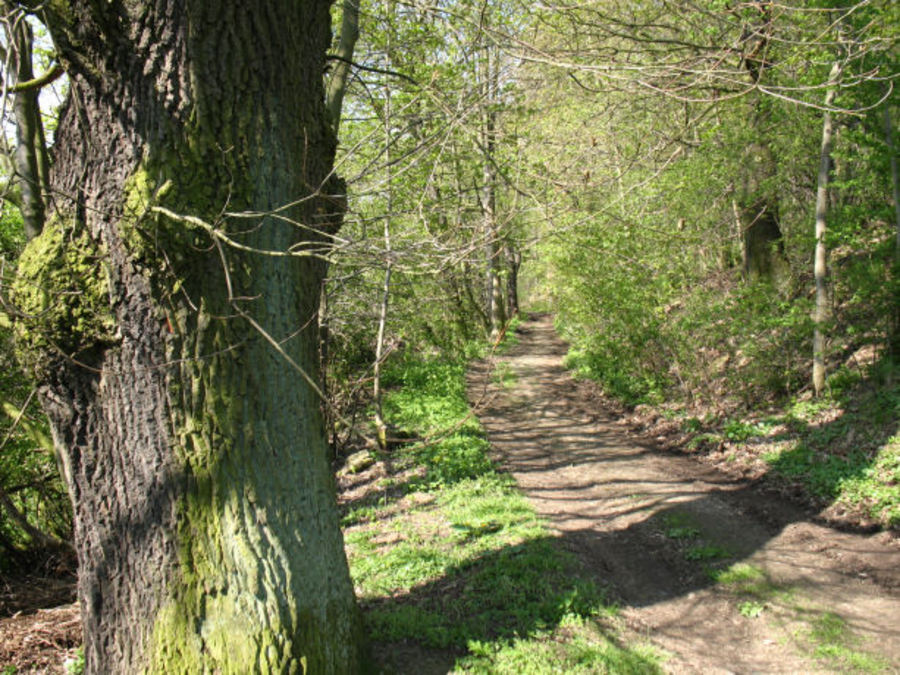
x: 654, y: 527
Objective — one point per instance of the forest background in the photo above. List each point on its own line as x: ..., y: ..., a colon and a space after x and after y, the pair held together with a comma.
x: 705, y: 195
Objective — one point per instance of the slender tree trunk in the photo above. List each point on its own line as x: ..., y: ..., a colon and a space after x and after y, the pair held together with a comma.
x: 513, y: 262
x: 177, y: 368
x: 380, y: 426
x: 30, y: 149
x: 474, y: 302
x: 738, y: 235
x: 492, y: 246
x: 37, y: 536
x: 820, y: 271
x: 895, y: 185
x: 340, y: 76
x: 493, y: 291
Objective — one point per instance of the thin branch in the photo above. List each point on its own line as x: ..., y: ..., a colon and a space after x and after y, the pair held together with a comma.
x: 372, y: 69
x: 49, y: 77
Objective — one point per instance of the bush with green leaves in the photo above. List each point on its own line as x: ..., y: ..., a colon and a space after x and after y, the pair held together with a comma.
x: 29, y: 476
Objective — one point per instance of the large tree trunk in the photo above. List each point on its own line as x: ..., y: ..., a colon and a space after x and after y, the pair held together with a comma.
x: 762, y: 246
x: 169, y: 358
x: 761, y: 238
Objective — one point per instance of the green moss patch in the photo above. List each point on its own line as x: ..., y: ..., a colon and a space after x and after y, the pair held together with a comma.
x: 62, y: 292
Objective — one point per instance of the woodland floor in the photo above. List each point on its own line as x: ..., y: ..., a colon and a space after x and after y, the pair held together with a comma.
x: 661, y: 530
x: 656, y: 526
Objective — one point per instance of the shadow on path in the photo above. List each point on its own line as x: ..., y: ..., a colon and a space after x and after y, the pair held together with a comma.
x: 658, y: 527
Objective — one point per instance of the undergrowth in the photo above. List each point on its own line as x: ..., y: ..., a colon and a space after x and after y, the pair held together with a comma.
x: 457, y: 560
x: 841, y: 450
x: 846, y: 450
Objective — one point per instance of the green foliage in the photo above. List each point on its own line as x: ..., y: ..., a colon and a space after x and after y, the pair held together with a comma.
x: 854, y: 456
x: 12, y: 235
x: 466, y: 562
x: 751, y: 609
x: 28, y: 469
x: 739, y: 430
x: 833, y: 642
x: 643, y: 252
x: 76, y: 664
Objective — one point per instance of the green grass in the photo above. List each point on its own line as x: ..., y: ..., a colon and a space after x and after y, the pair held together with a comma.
x: 681, y: 527
x: 677, y: 525
x: 826, y: 634
x: 751, y: 609
x: 586, y: 650
x: 682, y: 533
x: 832, y: 641
x: 459, y: 560
x: 706, y: 552
x: 742, y: 578
x: 843, y: 448
x: 863, y: 473
x: 504, y: 375
x: 753, y: 585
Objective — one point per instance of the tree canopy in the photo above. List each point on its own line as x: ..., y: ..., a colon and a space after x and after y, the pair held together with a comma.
x: 235, y: 214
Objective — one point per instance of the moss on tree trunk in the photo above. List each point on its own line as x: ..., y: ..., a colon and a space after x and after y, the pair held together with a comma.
x: 194, y: 450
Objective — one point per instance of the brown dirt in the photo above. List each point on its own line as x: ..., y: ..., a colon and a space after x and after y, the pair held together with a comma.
x: 40, y: 626
x: 615, y: 500
x: 611, y: 496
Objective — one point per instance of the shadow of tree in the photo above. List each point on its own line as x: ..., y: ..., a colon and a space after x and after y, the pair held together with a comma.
x: 841, y: 454
x: 531, y: 588
x: 518, y: 591
x: 667, y: 543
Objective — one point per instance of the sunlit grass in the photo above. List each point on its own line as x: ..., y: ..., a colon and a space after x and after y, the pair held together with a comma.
x: 458, y: 559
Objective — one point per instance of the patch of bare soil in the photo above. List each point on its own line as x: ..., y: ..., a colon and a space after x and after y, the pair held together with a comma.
x: 40, y: 625
x: 656, y: 526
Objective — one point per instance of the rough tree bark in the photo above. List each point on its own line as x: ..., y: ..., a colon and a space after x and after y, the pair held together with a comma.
x: 763, y: 247
x: 168, y: 358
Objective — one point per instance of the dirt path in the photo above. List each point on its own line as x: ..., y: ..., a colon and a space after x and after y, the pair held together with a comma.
x: 656, y: 526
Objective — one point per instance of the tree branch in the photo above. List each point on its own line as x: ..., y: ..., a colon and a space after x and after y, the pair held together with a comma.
x: 49, y: 77
x: 372, y: 69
